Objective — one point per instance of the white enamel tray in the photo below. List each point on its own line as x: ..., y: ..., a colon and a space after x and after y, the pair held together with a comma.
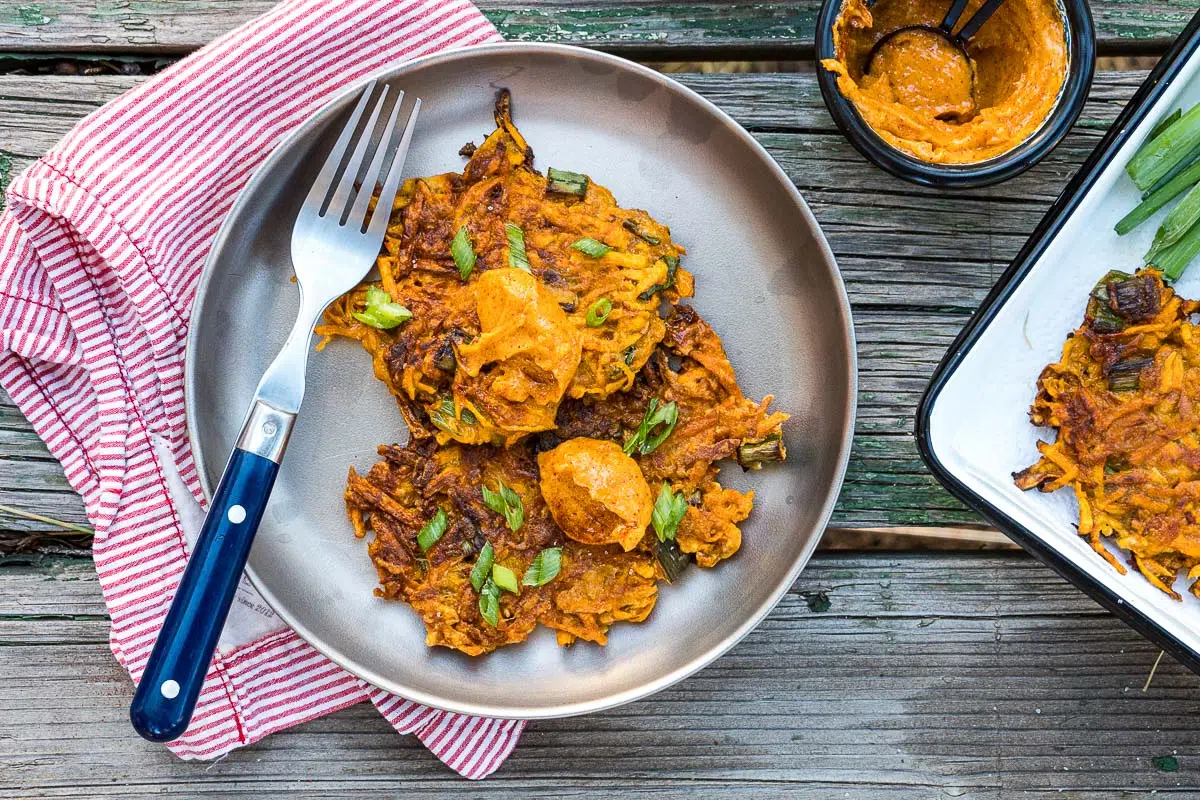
x: 973, y: 426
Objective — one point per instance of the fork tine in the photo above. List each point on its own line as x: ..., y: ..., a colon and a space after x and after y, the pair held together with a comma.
x: 387, y: 195
x: 341, y: 195
x: 358, y: 213
x: 320, y: 188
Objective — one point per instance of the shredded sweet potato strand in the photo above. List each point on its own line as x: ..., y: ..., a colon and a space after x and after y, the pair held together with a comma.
x: 1129, y: 451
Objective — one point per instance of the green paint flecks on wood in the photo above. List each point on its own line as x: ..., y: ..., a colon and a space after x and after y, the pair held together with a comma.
x: 32, y: 14
x: 664, y: 24
x: 817, y: 602
x: 1166, y: 763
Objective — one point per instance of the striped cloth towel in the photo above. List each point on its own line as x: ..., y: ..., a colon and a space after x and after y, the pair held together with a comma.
x: 101, y: 247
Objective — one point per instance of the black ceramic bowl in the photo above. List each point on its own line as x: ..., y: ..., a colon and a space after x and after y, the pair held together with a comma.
x: 1081, y: 50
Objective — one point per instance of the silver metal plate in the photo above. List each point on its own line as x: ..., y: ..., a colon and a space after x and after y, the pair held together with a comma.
x: 765, y: 279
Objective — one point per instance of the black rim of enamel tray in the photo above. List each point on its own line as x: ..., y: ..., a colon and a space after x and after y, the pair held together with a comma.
x: 1081, y: 48
x: 1127, y: 123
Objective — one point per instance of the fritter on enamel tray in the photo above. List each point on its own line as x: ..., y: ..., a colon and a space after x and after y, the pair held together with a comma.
x: 565, y: 412
x: 1125, y: 400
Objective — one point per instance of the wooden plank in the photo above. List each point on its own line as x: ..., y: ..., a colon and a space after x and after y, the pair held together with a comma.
x: 916, y: 262
x: 877, y: 676
x: 708, y: 28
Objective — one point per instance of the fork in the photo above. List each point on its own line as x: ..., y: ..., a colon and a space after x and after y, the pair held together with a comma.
x: 334, y: 245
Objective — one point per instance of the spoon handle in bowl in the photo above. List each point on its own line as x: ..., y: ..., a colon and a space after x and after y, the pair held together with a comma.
x: 973, y: 25
x: 952, y: 14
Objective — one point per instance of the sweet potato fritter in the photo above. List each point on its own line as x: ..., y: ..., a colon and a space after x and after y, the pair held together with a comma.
x: 509, y: 391
x: 509, y: 388
x: 1125, y: 401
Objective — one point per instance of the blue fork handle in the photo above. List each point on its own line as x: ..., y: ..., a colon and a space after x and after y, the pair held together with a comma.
x: 166, y: 697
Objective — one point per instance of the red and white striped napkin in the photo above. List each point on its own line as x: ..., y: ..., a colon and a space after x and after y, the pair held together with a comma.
x: 101, y: 246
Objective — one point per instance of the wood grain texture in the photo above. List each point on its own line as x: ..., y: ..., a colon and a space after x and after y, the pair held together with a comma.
x: 916, y: 263
x: 710, y: 28
x: 927, y: 676
x: 878, y: 676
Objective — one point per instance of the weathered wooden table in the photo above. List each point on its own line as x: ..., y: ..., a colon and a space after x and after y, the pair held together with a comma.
x: 882, y: 674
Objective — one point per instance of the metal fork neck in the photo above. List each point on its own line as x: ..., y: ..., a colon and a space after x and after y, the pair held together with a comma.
x: 282, y: 385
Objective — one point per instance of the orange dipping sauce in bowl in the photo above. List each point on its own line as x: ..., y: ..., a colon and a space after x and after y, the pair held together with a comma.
x: 927, y: 98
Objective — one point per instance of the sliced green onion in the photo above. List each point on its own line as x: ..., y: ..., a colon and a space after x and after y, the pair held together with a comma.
x: 515, y: 515
x: 1102, y: 319
x: 1150, y: 206
x: 1100, y: 290
x: 507, y: 502
x: 516, y: 247
x: 463, y: 252
x: 1174, y: 260
x: 656, y: 426
x: 505, y: 578
x: 493, y: 500
x: 544, y: 568
x: 669, y: 510
x: 674, y: 561
x: 444, y: 417
x: 1135, y: 298
x: 672, y: 268
x: 489, y: 603
x: 629, y: 354
x: 381, y: 312
x: 592, y: 247
x: 753, y: 452
x: 432, y: 531
x: 1175, y: 172
x: 1099, y: 316
x: 633, y: 228
x: 667, y: 416
x: 1178, y: 222
x: 483, y: 566
x: 598, y: 312
x: 1165, y: 123
x: 561, y: 181
x: 1125, y: 376
x: 445, y: 360
x: 1158, y: 156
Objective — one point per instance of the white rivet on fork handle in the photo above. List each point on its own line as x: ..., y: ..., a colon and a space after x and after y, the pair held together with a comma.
x: 169, y: 689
